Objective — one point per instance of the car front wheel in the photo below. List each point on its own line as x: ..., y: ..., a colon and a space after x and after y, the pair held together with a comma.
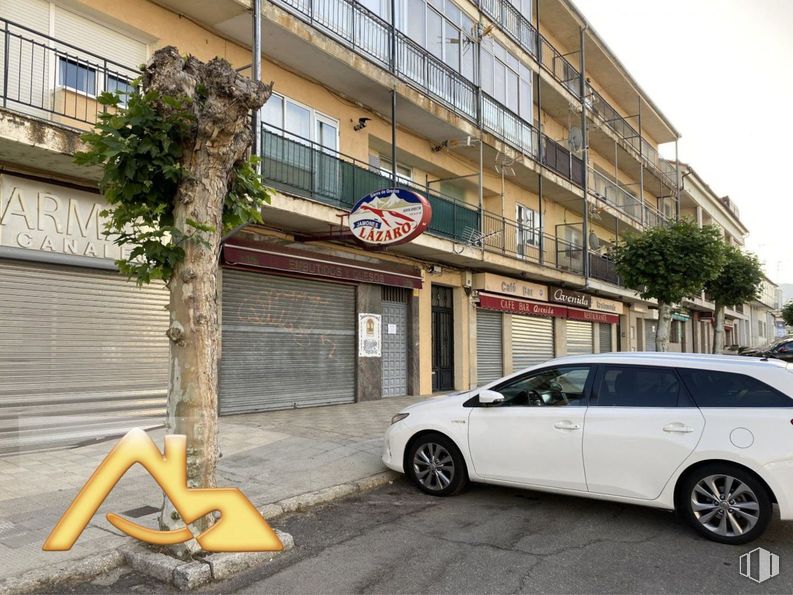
x: 436, y: 466
x: 726, y: 504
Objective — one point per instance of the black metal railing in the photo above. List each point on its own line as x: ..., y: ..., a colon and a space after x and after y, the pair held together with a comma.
x: 513, y: 23
x: 55, y: 80
x: 603, y: 268
x: 559, y: 67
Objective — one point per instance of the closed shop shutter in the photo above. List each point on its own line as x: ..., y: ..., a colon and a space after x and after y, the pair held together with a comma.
x: 579, y: 337
x: 83, y: 355
x: 649, y: 335
x: 286, y: 343
x: 489, y: 346
x: 532, y: 341
x: 395, y: 342
x: 604, y: 336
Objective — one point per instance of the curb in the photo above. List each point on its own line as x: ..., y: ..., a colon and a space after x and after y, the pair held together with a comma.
x: 190, y: 574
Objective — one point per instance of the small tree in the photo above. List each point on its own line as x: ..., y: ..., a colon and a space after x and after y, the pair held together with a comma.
x: 176, y: 177
x: 669, y: 263
x: 738, y: 282
x: 787, y: 313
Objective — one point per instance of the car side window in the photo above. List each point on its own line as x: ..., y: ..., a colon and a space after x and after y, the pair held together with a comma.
x: 711, y: 388
x: 638, y: 386
x: 785, y: 348
x: 553, y: 387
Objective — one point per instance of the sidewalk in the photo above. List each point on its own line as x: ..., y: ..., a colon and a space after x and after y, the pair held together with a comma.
x: 269, y: 456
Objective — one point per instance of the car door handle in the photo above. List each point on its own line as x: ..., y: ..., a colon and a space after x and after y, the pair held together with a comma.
x: 566, y: 425
x: 678, y: 428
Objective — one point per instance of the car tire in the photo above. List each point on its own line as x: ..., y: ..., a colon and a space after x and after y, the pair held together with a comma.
x: 436, y: 466
x: 725, y: 503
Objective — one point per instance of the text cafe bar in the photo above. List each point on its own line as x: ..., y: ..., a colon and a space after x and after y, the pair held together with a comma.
x: 529, y: 308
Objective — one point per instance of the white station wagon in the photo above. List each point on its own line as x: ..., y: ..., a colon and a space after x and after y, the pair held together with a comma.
x: 707, y: 436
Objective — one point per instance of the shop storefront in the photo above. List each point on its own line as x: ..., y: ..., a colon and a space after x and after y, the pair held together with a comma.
x: 303, y: 328
x: 83, y: 353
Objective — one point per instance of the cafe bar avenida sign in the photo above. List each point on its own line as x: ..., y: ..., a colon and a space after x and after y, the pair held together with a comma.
x: 48, y: 218
x: 390, y: 216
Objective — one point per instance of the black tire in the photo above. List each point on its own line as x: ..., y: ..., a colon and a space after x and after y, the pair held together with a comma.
x: 431, y: 477
x: 734, y: 521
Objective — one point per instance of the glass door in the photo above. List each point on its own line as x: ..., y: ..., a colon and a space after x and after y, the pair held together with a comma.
x: 328, y: 176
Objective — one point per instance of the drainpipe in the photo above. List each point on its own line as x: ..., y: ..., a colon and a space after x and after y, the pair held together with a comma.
x: 393, y: 96
x: 256, y: 64
x: 678, y: 182
x: 539, y: 132
x: 585, y: 151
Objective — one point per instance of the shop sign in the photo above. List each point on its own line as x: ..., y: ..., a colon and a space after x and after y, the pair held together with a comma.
x: 390, y: 216
x: 50, y: 218
x: 591, y: 316
x: 570, y: 298
x: 369, y: 335
x: 493, y: 302
x: 604, y: 305
x: 509, y: 286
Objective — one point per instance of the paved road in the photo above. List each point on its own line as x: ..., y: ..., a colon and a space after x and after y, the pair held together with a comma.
x: 494, y: 540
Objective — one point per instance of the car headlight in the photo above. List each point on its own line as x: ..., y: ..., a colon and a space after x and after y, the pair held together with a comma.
x: 399, y: 417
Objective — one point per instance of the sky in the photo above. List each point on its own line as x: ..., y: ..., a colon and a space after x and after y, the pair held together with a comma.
x: 722, y: 73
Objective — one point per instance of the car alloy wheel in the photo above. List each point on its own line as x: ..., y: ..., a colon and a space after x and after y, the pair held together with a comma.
x: 725, y: 505
x: 433, y: 466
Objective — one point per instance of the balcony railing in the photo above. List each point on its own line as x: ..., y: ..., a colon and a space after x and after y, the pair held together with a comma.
x: 560, y: 67
x: 513, y: 23
x: 304, y: 168
x: 611, y: 193
x: 629, y: 135
x: 603, y: 268
x: 54, y: 80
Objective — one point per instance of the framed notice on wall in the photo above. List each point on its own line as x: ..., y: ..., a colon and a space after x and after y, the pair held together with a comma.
x: 369, y: 335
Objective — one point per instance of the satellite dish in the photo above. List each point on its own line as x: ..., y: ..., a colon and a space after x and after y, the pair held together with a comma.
x: 594, y: 241
x: 575, y: 140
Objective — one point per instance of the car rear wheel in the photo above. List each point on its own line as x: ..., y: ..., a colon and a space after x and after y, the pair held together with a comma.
x: 436, y: 466
x: 726, y: 504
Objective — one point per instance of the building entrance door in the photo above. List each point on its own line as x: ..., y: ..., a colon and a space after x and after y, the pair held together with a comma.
x: 442, y: 339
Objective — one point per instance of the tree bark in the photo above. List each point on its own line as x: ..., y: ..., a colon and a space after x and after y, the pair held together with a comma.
x: 718, y: 329
x: 664, y: 321
x: 221, y: 101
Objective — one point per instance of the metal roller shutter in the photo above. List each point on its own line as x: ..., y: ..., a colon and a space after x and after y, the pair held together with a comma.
x: 579, y: 337
x: 489, y: 346
x: 395, y: 348
x: 649, y: 334
x: 286, y: 343
x: 83, y: 355
x: 532, y: 341
x: 604, y: 337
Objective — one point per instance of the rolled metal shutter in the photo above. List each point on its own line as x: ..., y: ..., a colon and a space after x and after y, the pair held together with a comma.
x: 649, y: 334
x: 532, y: 341
x: 489, y: 346
x: 286, y: 343
x: 579, y: 337
x: 83, y: 355
x: 604, y: 337
x: 395, y: 346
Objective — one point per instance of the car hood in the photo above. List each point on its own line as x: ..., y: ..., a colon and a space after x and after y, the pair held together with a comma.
x: 440, y: 401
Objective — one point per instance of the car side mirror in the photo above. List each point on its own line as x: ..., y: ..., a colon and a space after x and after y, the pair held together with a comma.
x: 490, y: 397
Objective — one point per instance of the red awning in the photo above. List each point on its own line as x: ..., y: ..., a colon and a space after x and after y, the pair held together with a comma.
x: 502, y: 303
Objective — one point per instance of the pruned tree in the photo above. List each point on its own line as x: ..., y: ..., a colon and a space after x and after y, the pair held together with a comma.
x: 177, y: 176
x: 669, y: 263
x: 787, y: 313
x: 738, y: 282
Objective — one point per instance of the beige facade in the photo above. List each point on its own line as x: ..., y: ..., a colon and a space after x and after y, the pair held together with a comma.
x: 530, y: 181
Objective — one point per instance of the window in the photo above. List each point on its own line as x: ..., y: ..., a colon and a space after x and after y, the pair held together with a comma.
x: 76, y: 76
x: 636, y: 386
x: 507, y: 79
x: 710, y: 388
x: 554, y: 387
x: 676, y: 332
x: 404, y: 173
x: 528, y: 228
x: 300, y: 122
x: 120, y: 84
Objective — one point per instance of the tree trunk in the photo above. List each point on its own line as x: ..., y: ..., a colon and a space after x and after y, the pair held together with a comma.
x: 662, y: 332
x: 718, y: 329
x: 222, y: 101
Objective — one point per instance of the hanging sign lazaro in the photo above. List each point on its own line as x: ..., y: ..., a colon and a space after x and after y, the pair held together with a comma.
x: 390, y: 216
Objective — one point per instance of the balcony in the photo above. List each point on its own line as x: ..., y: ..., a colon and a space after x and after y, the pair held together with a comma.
x: 610, y: 193
x: 302, y: 168
x: 629, y: 136
x: 601, y: 267
x: 53, y: 80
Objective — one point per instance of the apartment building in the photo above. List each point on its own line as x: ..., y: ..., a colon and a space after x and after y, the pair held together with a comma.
x: 534, y: 146
x: 763, y: 314
x: 693, y: 327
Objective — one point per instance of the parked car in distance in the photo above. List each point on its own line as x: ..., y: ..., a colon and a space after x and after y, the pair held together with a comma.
x: 709, y: 436
x: 780, y: 349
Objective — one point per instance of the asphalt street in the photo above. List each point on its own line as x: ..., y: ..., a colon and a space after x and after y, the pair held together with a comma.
x: 492, y: 540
